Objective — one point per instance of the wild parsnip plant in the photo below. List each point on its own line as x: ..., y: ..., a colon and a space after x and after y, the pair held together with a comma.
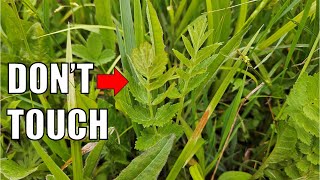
x: 217, y: 89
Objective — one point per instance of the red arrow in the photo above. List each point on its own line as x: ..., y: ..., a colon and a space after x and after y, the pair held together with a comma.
x: 114, y: 81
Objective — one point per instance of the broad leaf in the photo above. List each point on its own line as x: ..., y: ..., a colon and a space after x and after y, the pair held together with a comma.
x: 234, y: 175
x: 94, y: 45
x: 92, y: 51
x: 137, y: 90
x: 147, y: 63
x: 149, y: 164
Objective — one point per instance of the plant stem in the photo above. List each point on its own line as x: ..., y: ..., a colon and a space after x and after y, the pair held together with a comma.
x: 71, y: 99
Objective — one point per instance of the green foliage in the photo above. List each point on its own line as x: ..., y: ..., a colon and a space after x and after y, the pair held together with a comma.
x: 195, y: 73
x: 147, y: 63
x: 296, y: 153
x: 234, y: 175
x: 104, y: 17
x: 191, y: 104
x: 93, y: 52
x: 149, y: 164
x: 93, y: 159
x: 156, y: 32
x: 52, y: 166
x: 141, y: 115
x: 149, y: 137
x: 12, y: 170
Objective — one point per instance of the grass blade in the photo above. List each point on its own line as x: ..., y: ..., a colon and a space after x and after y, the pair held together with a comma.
x: 313, y: 49
x: 286, y: 28
x: 92, y: 159
x: 71, y: 99
x: 52, y: 166
x: 127, y: 26
x: 297, y: 35
x: 138, y: 23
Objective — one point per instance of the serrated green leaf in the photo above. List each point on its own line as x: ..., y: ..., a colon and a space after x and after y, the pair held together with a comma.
x: 304, y: 148
x: 197, y: 31
x: 14, y: 171
x: 206, y: 52
x: 195, y: 81
x: 82, y: 52
x: 159, y: 82
x: 39, y: 47
x: 203, y: 65
x: 93, y: 52
x: 156, y: 32
x: 302, y: 111
x: 149, y: 164
x: 149, y: 137
x: 302, y: 134
x: 138, y: 91
x: 303, y: 165
x: 306, y: 123
x: 174, y: 93
x: 283, y: 149
x: 188, y: 45
x: 182, y: 58
x: 312, y: 112
x: 205, y: 36
x: 141, y: 115
x: 146, y: 63
x: 171, y: 92
x: 165, y: 113
x: 182, y: 74
x: 313, y: 158
x: 292, y: 171
x: 106, y: 56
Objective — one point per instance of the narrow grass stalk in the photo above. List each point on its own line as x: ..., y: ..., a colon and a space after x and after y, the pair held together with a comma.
x: 71, y: 99
x: 20, y: 26
x: 127, y: 25
x: 233, y: 124
x: 179, y: 11
x: 242, y: 15
x: 138, y: 23
x: 52, y: 166
x: 297, y: 35
x: 210, y: 21
x: 187, y: 16
x: 186, y: 154
x: 244, y: 25
x: 286, y: 28
x: 313, y: 49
